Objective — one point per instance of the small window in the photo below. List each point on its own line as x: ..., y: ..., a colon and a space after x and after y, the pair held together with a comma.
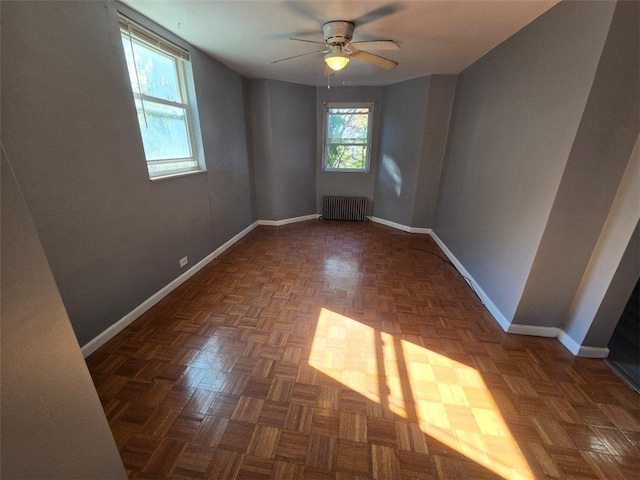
x: 157, y: 73
x: 347, y: 137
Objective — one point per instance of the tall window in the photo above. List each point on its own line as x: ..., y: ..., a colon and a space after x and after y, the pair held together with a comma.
x: 157, y: 72
x: 347, y: 137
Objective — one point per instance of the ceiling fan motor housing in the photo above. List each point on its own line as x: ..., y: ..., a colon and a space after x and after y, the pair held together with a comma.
x: 338, y: 32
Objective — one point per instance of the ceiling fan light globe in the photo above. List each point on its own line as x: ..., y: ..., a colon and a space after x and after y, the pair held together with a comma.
x: 336, y: 61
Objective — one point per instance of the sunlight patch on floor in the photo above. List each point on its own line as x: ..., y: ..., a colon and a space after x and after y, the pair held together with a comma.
x: 448, y: 399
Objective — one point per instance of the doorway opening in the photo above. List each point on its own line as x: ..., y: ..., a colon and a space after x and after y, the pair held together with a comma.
x: 624, y: 346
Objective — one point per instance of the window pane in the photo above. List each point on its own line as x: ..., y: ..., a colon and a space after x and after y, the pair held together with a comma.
x: 352, y: 157
x: 156, y: 71
x: 164, y: 133
x: 347, y: 125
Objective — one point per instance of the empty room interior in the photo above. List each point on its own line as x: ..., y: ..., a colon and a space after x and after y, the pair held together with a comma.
x: 320, y: 239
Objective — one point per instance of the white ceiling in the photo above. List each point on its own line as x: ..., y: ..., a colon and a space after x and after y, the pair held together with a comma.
x: 434, y: 36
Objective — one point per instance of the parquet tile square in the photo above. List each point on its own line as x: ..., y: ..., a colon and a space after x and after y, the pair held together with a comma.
x: 264, y: 441
x: 164, y: 459
x: 304, y: 394
x: 224, y: 464
x: 286, y: 471
x: 247, y: 409
x: 414, y: 466
x: 384, y: 463
x: 352, y: 457
x: 353, y: 426
x: 193, y: 462
x: 325, y: 422
x: 138, y: 450
x: 280, y: 390
x: 185, y: 426
x: 255, y: 468
x: 236, y: 436
x: 273, y: 414
x: 616, y: 442
x: 298, y: 418
x: 331, y: 350
x: 381, y: 431
x: 223, y: 405
x: 321, y: 452
x: 210, y: 431
x: 200, y: 401
x: 292, y: 447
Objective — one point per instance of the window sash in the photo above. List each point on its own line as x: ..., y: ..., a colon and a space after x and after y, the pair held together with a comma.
x: 349, y: 144
x: 150, y: 98
x: 130, y: 27
x: 146, y: 116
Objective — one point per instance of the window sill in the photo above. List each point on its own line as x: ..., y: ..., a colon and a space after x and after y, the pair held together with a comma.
x: 174, y: 175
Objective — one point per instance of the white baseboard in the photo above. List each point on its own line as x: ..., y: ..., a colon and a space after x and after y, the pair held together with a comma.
x: 533, y: 330
x: 566, y: 340
x: 398, y: 226
x: 593, y: 352
x: 517, y: 329
x: 423, y: 231
x: 391, y: 224
x: 121, y: 324
x: 493, y: 310
x: 286, y: 221
x: 582, y: 351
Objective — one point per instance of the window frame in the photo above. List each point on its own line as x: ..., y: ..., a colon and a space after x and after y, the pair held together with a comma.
x: 131, y: 31
x: 325, y: 140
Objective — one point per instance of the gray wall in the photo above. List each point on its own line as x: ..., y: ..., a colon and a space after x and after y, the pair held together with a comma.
x: 434, y: 141
x: 260, y: 146
x: 404, y: 111
x: 414, y: 127
x: 358, y: 184
x: 599, y: 155
x: 283, y: 136
x: 53, y: 425
x: 515, y: 117
x: 222, y: 106
x: 112, y: 237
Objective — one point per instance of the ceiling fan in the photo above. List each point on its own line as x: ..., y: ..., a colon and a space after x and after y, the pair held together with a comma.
x: 339, y: 49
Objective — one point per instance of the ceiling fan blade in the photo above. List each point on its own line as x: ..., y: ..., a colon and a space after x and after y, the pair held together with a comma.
x: 377, y: 44
x: 303, y: 10
x: 296, y: 56
x: 308, y: 41
x: 379, y: 13
x: 374, y: 59
x: 287, y: 35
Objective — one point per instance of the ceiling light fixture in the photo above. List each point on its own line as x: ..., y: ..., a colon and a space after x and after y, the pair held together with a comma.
x: 336, y: 59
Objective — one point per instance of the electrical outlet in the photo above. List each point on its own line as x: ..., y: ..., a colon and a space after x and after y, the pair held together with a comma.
x: 183, y: 261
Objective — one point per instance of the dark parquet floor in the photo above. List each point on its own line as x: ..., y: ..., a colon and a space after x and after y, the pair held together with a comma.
x: 331, y: 350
